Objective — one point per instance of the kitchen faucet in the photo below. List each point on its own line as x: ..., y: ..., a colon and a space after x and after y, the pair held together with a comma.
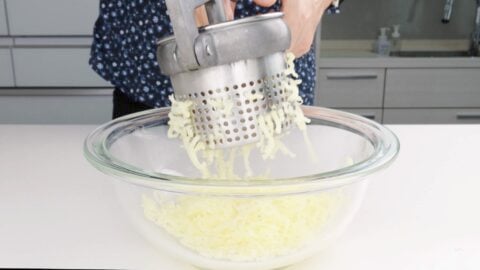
x: 447, y: 11
x: 475, y: 41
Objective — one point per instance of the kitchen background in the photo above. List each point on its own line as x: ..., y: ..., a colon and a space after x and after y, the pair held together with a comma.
x: 420, y: 19
x: 45, y: 77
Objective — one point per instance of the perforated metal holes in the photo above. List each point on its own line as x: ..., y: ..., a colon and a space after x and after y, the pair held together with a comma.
x: 229, y: 99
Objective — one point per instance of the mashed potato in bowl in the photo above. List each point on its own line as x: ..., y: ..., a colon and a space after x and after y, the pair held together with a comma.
x: 242, y: 229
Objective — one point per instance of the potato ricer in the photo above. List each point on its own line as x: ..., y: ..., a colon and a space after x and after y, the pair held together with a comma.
x: 232, y: 71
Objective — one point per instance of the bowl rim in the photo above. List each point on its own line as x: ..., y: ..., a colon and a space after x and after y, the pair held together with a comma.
x: 385, y: 143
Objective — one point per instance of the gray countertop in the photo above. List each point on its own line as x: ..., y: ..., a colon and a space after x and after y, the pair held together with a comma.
x: 366, y: 59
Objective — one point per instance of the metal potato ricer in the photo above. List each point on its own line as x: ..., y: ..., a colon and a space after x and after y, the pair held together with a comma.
x: 233, y: 71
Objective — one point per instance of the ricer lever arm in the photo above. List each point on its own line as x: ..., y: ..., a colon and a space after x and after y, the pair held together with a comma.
x: 182, y: 17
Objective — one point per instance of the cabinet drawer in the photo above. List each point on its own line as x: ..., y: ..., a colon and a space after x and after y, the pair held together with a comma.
x: 71, y: 109
x: 372, y: 114
x: 56, y: 67
x: 426, y: 88
x: 6, y: 72
x: 3, y: 19
x: 432, y: 116
x: 345, y: 88
x: 52, y: 17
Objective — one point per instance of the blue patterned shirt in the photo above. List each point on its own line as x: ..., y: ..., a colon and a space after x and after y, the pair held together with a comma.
x: 124, y: 49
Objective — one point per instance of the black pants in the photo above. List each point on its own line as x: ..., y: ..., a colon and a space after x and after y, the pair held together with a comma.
x: 122, y: 105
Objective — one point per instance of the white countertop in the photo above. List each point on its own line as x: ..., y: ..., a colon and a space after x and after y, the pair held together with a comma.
x: 57, y: 211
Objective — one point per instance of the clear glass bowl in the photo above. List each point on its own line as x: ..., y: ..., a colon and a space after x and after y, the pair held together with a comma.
x: 290, y: 209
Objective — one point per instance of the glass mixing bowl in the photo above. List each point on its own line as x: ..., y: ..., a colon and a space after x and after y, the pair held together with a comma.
x: 286, y: 209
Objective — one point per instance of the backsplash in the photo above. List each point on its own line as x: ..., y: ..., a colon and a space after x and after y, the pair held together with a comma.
x: 419, y: 19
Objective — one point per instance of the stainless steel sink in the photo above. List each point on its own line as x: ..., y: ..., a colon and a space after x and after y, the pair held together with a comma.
x: 432, y: 54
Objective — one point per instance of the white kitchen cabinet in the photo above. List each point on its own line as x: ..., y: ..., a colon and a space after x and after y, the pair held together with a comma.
x: 350, y: 88
x: 3, y: 19
x: 55, y: 67
x: 52, y: 17
x: 55, y: 109
x: 58, y: 42
x: 432, y: 116
x: 6, y: 71
x: 372, y: 114
x: 432, y: 88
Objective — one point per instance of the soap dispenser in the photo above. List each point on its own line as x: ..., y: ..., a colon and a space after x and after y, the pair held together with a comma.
x: 396, y: 43
x: 383, y: 45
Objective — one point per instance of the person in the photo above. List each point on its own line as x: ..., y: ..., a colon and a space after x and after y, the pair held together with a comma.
x: 126, y: 32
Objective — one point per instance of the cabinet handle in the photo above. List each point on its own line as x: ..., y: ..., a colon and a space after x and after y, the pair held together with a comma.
x: 369, y: 116
x: 352, y: 76
x: 467, y: 116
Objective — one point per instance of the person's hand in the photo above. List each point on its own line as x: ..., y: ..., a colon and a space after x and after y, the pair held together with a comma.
x: 302, y: 17
x: 201, y: 14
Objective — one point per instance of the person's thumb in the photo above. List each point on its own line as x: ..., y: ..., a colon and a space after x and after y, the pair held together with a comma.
x: 265, y: 3
x: 229, y: 9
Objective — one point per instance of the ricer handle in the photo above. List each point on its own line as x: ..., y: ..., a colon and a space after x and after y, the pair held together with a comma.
x: 182, y: 17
